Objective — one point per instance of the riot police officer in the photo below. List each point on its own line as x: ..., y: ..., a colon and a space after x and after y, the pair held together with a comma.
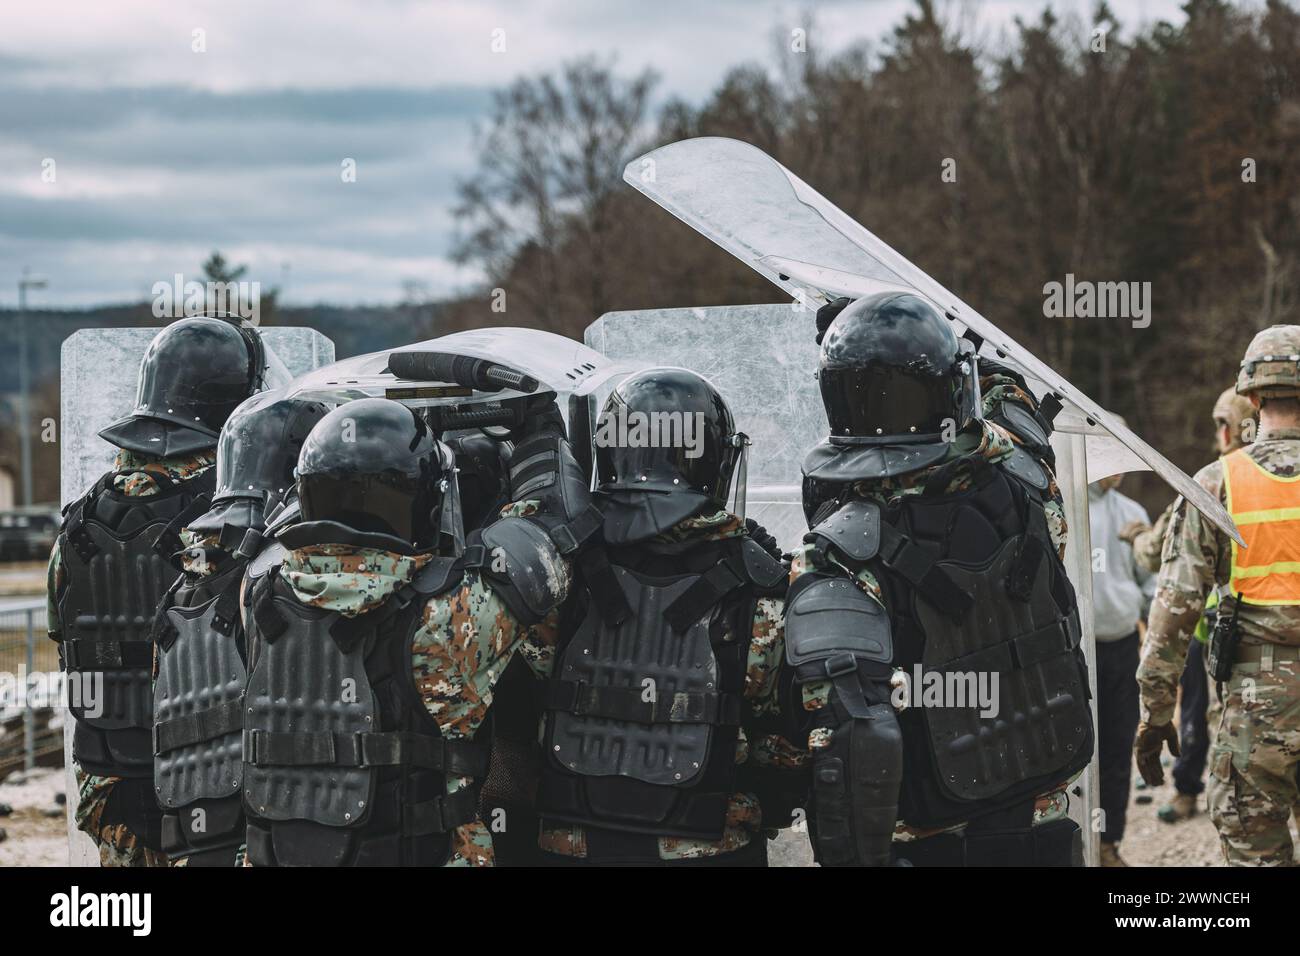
x: 112, y: 563
x: 934, y: 555
x: 660, y: 742
x: 393, y: 642
x: 201, y: 657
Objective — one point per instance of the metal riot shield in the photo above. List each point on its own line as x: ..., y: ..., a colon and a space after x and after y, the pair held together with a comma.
x: 753, y: 207
x: 94, y: 392
x: 774, y: 222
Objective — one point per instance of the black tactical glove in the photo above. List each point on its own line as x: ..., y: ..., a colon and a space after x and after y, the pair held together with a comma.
x: 541, y: 416
x: 827, y: 313
x: 763, y: 538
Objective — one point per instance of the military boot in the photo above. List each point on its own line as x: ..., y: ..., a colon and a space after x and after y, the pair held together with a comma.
x: 1181, y: 807
x: 1110, y: 855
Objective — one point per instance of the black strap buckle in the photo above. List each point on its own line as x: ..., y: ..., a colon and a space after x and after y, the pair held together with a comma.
x: 840, y: 664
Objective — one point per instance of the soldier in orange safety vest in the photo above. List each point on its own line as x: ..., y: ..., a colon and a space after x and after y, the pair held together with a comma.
x: 1256, y: 750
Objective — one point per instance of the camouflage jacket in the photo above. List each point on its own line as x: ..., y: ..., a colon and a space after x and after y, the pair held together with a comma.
x: 1147, y: 544
x: 987, y: 443
x: 466, y: 638
x: 756, y: 748
x: 117, y: 845
x: 1196, y: 558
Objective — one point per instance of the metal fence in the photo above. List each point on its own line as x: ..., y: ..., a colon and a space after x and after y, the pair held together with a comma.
x: 31, y: 728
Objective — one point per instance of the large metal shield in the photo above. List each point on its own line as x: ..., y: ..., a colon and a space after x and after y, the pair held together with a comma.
x: 561, y: 364
x: 774, y: 222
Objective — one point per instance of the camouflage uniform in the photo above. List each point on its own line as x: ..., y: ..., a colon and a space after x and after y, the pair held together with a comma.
x: 1236, y: 413
x: 992, y: 443
x: 757, y: 749
x: 117, y: 845
x: 467, y: 638
x: 1253, y: 758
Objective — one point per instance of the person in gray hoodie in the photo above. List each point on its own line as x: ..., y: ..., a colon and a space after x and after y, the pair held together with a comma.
x: 1121, y: 595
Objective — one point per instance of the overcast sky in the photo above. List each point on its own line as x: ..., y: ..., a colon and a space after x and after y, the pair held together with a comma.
x: 163, y: 154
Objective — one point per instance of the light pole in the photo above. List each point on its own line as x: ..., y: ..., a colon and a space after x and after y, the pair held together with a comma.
x: 24, y: 413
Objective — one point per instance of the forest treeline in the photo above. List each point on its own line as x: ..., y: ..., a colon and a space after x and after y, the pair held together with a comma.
x: 1167, y: 154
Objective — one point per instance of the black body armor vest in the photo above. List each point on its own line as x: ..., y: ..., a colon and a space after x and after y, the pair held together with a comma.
x: 343, y: 764
x: 646, y: 699
x: 116, y: 554
x: 198, y: 718
x: 974, y: 586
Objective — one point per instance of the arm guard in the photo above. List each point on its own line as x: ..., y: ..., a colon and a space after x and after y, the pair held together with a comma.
x: 543, y: 468
x: 838, y: 634
x: 522, y: 565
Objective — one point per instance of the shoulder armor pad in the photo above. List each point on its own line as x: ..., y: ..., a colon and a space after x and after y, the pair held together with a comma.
x: 853, y: 529
x: 436, y: 577
x: 763, y: 569
x: 828, y: 461
x: 830, y: 625
x: 1027, y: 426
x: 1026, y: 467
x: 535, y: 579
x: 270, y: 555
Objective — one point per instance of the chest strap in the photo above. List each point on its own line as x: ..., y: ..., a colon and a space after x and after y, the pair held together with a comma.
x: 602, y: 584
x: 88, y: 654
x: 454, y: 757
x: 442, y: 814
x: 200, y: 726
x: 1025, y: 650
x: 706, y: 592
x: 916, y: 565
x: 169, y: 539
x: 626, y: 704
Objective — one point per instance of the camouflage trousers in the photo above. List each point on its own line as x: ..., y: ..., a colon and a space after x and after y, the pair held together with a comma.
x: 1253, y: 763
x: 117, y: 845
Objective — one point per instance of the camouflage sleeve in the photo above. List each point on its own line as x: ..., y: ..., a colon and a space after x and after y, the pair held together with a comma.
x: 766, y: 653
x: 1148, y: 544
x: 467, y: 638
x: 1189, y: 561
x: 999, y: 384
x: 118, y: 846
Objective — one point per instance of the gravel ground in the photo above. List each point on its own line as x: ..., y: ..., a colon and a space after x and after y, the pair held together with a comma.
x: 34, y: 839
x: 1149, y: 842
x: 37, y: 840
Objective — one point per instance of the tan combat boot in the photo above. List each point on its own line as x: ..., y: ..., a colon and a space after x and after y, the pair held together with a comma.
x: 1110, y: 855
x: 1181, y: 807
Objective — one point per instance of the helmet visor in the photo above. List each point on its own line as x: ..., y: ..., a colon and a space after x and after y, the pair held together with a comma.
x: 364, y: 503
x: 882, y: 401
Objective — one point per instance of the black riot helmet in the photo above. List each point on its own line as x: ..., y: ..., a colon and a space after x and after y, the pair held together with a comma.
x: 256, y: 457
x: 893, y: 371
x: 666, y: 449
x: 195, y: 372
x: 373, y: 474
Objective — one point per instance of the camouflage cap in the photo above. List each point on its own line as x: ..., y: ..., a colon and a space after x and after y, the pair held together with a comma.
x: 1272, y: 362
x: 1235, y: 411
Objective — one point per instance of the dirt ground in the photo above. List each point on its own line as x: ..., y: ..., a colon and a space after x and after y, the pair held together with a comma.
x: 1149, y: 842
x: 33, y: 838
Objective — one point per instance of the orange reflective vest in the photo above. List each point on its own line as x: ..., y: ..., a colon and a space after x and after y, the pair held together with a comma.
x: 1266, y: 509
